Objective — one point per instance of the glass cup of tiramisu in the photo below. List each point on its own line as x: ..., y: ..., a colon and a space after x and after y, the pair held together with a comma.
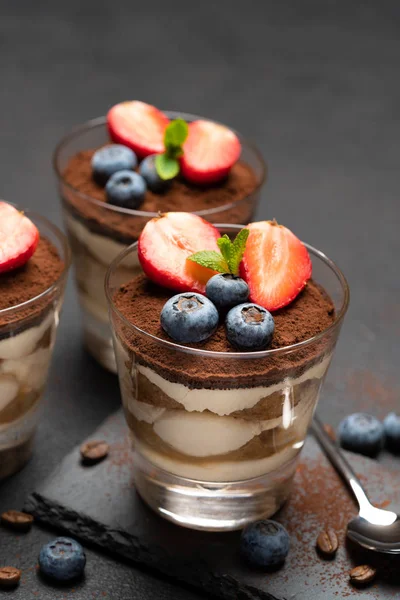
x: 110, y: 187
x: 222, y: 348
x: 34, y: 260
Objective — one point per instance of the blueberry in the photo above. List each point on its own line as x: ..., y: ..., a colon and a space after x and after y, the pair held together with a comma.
x: 126, y: 189
x: 391, y: 425
x: 226, y: 290
x: 249, y: 327
x: 110, y: 159
x: 149, y: 173
x: 189, y: 318
x: 265, y: 543
x: 361, y: 433
x: 62, y: 559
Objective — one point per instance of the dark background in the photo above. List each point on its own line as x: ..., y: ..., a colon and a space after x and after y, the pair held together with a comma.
x: 315, y: 84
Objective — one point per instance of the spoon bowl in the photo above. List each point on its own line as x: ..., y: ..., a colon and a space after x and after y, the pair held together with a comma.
x: 378, y: 537
x: 374, y: 528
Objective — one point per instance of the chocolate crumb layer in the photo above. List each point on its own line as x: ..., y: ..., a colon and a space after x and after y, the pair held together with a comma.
x: 141, y: 301
x: 241, y: 183
x: 29, y: 281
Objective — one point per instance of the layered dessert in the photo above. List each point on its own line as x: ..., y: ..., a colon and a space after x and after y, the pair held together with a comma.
x: 116, y: 174
x: 220, y: 381
x: 32, y: 274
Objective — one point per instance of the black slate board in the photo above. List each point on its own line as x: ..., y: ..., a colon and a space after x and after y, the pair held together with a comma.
x: 99, y: 505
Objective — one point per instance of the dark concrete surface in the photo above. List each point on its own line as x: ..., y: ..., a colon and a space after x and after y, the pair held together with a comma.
x: 314, y: 84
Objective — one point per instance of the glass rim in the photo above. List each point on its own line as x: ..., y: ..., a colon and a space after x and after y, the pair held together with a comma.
x: 66, y: 259
x: 101, y: 121
x: 339, y: 316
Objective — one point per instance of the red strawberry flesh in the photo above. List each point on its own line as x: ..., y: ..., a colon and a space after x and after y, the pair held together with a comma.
x: 165, y: 244
x: 19, y: 238
x: 139, y: 126
x: 210, y: 151
x: 276, y: 265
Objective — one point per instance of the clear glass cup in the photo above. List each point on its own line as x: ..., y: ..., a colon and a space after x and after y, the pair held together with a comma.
x: 27, y: 338
x: 93, y: 250
x: 216, y: 456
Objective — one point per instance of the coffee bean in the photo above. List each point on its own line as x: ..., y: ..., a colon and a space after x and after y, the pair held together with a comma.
x: 17, y: 520
x: 94, y: 451
x: 327, y: 542
x: 362, y: 575
x: 330, y: 431
x: 9, y: 577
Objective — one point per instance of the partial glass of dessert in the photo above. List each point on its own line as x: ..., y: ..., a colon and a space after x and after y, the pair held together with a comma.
x: 34, y: 260
x: 222, y: 345
x: 117, y: 172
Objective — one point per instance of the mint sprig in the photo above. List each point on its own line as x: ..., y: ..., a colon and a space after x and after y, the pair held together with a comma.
x: 167, y: 164
x: 229, y: 259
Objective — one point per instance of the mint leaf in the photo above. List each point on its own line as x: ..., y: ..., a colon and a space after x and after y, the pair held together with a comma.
x: 211, y: 260
x: 167, y: 167
x: 225, y: 245
x: 167, y: 164
x: 175, y: 136
x: 229, y: 259
x: 237, y: 250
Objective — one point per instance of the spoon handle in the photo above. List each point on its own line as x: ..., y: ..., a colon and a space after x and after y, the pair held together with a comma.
x: 339, y: 462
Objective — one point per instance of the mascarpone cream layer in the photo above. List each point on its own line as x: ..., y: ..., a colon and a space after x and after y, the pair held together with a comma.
x: 200, y: 434
x: 31, y: 370
x: 8, y: 390
x: 95, y: 306
x: 102, y: 247
x: 226, y: 401
x: 28, y: 373
x: 205, y: 434
x: 222, y: 471
x: 91, y: 267
x: 21, y: 345
x: 19, y: 430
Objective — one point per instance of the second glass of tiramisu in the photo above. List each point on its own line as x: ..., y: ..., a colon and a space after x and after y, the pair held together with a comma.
x: 117, y: 172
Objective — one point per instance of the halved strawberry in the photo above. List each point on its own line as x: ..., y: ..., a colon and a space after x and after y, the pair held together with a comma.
x: 209, y: 152
x: 276, y: 265
x: 139, y: 126
x: 18, y: 238
x: 165, y: 244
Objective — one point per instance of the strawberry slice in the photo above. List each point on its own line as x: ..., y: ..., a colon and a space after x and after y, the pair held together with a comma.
x: 19, y: 238
x: 276, y: 265
x: 139, y: 126
x: 165, y: 244
x: 209, y: 152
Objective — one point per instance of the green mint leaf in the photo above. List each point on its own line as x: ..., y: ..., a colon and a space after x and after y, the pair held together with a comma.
x: 174, y: 152
x: 237, y: 251
x: 211, y: 260
x: 175, y: 135
x: 166, y: 166
x: 225, y: 245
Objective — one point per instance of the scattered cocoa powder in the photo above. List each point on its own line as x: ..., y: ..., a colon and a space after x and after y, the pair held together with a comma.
x: 235, y: 196
x: 36, y: 276
x: 330, y: 431
x: 320, y: 499
x: 141, y: 301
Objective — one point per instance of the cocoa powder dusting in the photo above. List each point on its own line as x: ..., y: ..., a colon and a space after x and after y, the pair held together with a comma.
x: 141, y: 301
x: 320, y: 499
x: 29, y: 281
x: 241, y: 182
